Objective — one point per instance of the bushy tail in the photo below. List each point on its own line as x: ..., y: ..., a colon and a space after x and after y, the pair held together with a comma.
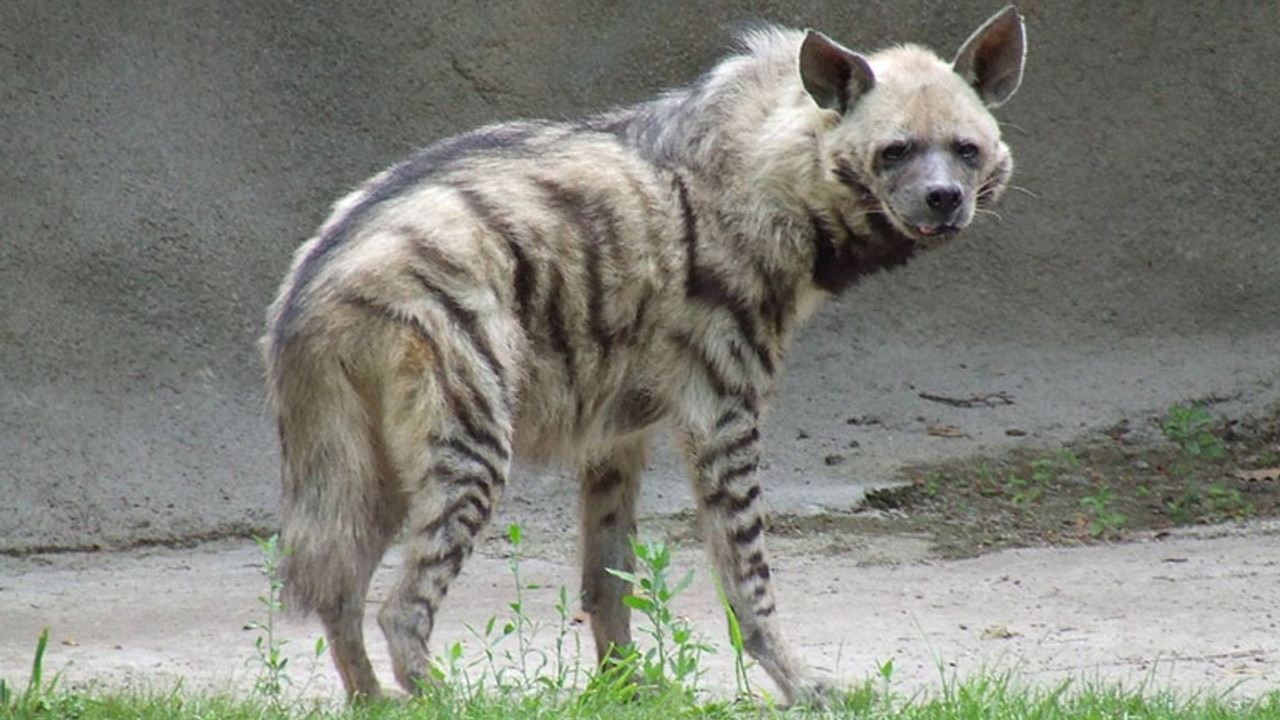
x: 338, y: 502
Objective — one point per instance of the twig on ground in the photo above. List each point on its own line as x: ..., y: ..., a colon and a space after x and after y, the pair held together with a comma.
x: 990, y: 400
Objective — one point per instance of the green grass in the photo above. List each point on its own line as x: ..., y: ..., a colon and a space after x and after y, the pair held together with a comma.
x: 979, y: 697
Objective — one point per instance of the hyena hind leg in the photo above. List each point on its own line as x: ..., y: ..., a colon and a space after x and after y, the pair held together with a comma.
x: 465, y: 477
x: 609, y: 487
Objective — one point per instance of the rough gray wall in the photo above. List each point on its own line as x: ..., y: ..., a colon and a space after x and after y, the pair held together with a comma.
x: 160, y: 161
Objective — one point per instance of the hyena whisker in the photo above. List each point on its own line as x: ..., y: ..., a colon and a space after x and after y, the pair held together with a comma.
x: 555, y: 291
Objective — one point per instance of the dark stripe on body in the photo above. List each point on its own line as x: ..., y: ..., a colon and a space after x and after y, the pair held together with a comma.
x: 556, y: 328
x: 409, y: 174
x: 456, y: 404
x: 842, y: 256
x: 722, y: 385
x: 467, y: 321
x: 526, y: 275
x: 598, y: 228
x: 727, y: 417
x: 432, y: 257
x: 635, y: 409
x: 708, y: 286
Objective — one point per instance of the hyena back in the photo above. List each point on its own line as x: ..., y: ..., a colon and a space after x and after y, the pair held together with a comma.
x: 554, y: 291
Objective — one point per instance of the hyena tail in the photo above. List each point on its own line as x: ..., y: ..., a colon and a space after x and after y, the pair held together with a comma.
x: 340, y: 505
x: 341, y: 502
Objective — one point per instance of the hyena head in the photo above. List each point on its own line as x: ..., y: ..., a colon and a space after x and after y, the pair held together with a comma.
x: 912, y: 134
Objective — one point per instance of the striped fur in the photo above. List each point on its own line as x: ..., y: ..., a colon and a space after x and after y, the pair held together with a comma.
x: 554, y: 291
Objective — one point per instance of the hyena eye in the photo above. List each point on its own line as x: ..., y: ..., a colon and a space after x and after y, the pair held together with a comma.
x: 966, y: 150
x: 895, y: 152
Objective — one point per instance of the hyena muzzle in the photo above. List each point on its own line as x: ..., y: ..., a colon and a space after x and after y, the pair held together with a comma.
x: 553, y: 291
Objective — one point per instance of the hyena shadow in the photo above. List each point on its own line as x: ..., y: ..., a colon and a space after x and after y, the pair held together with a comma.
x: 555, y: 291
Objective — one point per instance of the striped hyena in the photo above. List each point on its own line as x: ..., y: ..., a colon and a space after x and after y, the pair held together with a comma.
x: 555, y: 290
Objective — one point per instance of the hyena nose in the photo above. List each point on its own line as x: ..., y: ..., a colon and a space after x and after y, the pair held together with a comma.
x: 944, y: 199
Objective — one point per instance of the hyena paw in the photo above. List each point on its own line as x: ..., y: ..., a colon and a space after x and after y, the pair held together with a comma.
x: 813, y: 692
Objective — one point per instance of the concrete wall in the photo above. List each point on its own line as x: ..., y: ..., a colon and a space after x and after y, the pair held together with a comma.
x: 159, y: 161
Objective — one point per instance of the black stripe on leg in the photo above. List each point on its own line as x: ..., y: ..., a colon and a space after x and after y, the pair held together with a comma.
x: 738, y: 472
x: 481, y: 436
x: 711, y: 455
x: 462, y: 449
x: 727, y: 417
x: 758, y: 569
x: 453, y: 558
x: 732, y: 504
x: 454, y: 513
x: 750, y: 533
x: 603, y: 482
x: 461, y: 481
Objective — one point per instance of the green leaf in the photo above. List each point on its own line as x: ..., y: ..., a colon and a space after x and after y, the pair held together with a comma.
x: 635, y: 602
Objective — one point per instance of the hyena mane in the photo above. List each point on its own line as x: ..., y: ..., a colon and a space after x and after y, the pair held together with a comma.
x: 554, y: 291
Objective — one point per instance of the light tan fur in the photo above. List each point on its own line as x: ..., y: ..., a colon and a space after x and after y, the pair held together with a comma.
x: 556, y: 290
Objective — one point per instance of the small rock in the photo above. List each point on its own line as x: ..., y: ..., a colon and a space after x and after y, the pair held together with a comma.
x: 834, y: 459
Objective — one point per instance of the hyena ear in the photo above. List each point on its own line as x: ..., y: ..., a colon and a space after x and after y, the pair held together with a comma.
x: 833, y: 75
x: 991, y: 59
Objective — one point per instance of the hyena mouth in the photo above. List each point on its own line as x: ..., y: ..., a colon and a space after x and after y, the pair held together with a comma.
x: 938, y: 232
x: 928, y: 234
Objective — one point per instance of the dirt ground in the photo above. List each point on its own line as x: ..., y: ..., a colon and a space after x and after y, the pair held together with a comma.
x: 1108, y: 559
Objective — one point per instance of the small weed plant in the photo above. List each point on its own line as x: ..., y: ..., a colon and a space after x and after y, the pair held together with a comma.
x: 673, y: 661
x: 273, y: 680
x: 1190, y: 427
x: 1042, y: 472
x: 1104, y: 520
x: 526, y: 666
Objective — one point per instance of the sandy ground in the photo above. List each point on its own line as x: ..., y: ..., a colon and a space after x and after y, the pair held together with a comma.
x: 1194, y: 611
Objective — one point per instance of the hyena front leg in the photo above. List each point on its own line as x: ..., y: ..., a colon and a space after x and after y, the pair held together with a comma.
x: 723, y: 455
x: 453, y: 504
x: 609, y: 486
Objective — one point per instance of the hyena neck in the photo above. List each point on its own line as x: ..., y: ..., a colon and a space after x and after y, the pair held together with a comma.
x: 747, y: 134
x: 842, y: 254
